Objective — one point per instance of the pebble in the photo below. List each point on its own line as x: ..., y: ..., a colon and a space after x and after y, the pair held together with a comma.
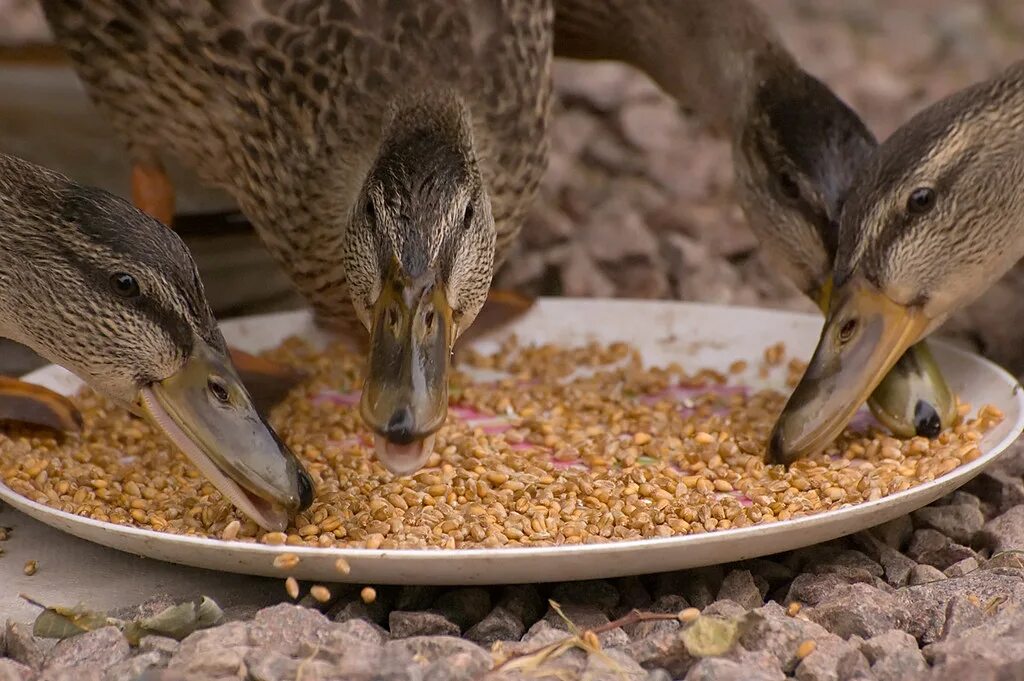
x: 831, y: 660
x: 101, y: 647
x: 931, y: 547
x: 662, y: 649
x: 21, y: 646
x: 1005, y: 532
x: 599, y: 592
x: 132, y: 668
x: 959, y: 522
x: 858, y: 609
x: 739, y: 587
x: 923, y: 574
x: 770, y: 629
x: 746, y: 667
x: 586, y: 617
x: 15, y: 671
x: 464, y: 607
x: 405, y: 623
x: 894, y: 656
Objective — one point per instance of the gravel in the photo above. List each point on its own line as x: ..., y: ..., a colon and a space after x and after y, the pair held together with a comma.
x: 639, y: 202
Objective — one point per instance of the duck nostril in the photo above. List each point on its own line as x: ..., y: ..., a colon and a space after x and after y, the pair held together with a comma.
x: 428, y: 320
x: 400, y: 428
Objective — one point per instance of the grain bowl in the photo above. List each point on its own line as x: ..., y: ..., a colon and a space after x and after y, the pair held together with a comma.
x: 554, y: 444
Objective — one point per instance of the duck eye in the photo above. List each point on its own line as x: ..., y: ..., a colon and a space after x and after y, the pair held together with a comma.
x: 215, y: 385
x: 847, y: 329
x: 788, y: 186
x: 467, y: 219
x: 124, y: 285
x: 921, y: 200
x: 371, y: 212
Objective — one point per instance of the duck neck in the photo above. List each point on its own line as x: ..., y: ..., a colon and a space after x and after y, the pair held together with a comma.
x: 710, y: 55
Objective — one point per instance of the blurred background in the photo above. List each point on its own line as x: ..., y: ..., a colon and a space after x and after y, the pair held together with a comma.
x: 637, y: 200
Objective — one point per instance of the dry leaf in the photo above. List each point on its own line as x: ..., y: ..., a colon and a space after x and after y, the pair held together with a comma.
x: 61, y: 622
x: 177, y: 621
x: 710, y: 636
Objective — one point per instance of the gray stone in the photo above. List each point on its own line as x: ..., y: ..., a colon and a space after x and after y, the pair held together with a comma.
x: 22, y: 646
x: 858, y: 609
x: 670, y: 603
x: 999, y: 488
x: 633, y: 595
x: 158, y: 644
x: 458, y: 667
x: 597, y: 592
x: 832, y: 660
x: 896, y: 567
x: 464, y: 607
x: 894, y: 656
x: 524, y: 601
x: 749, y: 666
x: 928, y: 605
x: 1005, y: 532
x: 923, y: 574
x: 964, y: 567
x: 361, y: 630
x: 850, y: 561
x: 895, y: 533
x: 771, y: 630
x: 217, y: 651
x: 700, y: 587
x: 404, y: 623
x: 658, y: 675
x: 101, y: 647
x: 416, y: 597
x: 429, y: 649
x: 268, y: 665
x: 932, y: 547
x: 375, y: 612
x: 739, y: 587
x: 613, y: 664
x: 215, y: 662
x: 79, y: 673
x: 959, y: 522
x: 587, y: 617
x: 349, y: 655
x: 773, y: 572
x: 285, y: 628
x: 499, y: 625
x: 662, y: 650
x: 132, y: 668
x: 725, y: 609
x: 810, y: 589
x: 15, y: 671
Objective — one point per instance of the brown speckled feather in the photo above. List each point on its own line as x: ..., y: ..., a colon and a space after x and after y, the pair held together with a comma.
x: 281, y: 103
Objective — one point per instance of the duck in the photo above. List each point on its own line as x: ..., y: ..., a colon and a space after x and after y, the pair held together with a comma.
x: 93, y: 284
x: 795, y: 144
x: 386, y: 155
x: 931, y: 221
x: 389, y: 178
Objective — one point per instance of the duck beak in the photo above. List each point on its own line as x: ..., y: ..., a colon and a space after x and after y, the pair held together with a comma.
x: 913, y: 398
x: 865, y: 334
x: 227, y: 439
x: 405, y: 395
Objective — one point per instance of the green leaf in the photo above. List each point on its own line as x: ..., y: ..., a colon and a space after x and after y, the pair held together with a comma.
x: 710, y: 636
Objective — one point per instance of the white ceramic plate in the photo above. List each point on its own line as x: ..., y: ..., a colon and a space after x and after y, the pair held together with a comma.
x: 695, y: 336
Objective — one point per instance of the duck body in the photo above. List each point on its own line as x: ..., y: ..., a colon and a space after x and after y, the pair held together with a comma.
x: 285, y: 104
x: 933, y: 220
x: 94, y: 285
x: 386, y: 154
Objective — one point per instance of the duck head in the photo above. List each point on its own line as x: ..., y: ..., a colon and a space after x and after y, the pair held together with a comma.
x: 933, y: 219
x: 419, y: 261
x: 102, y: 289
x: 796, y: 154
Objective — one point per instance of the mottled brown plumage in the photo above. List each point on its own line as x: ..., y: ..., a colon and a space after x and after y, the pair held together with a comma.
x: 286, y: 105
